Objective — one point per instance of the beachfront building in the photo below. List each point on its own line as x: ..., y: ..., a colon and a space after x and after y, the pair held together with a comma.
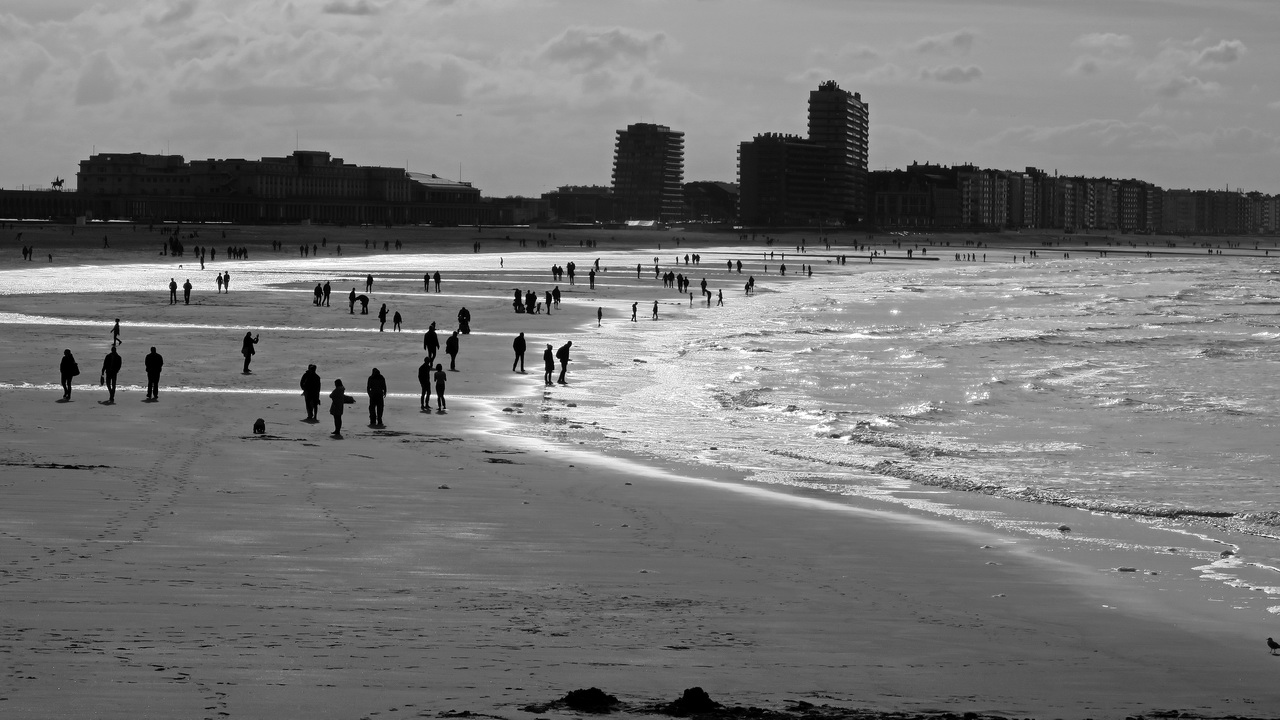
x: 840, y: 121
x: 648, y: 173
x: 781, y: 181
x: 304, y: 186
x: 708, y: 201
x: 581, y: 204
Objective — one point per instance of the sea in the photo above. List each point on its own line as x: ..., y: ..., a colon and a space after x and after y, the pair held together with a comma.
x: 1129, y: 381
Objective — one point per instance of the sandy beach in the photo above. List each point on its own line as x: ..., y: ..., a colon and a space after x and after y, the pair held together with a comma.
x: 160, y: 560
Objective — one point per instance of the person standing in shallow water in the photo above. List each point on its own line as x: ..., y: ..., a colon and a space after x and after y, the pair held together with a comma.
x: 451, y: 349
x: 310, y: 384
x: 68, y: 369
x: 153, y: 363
x: 563, y: 356
x: 246, y: 349
x: 376, y: 387
x: 518, y: 346
x: 441, y: 377
x: 110, y: 369
x: 339, y: 400
x: 424, y: 381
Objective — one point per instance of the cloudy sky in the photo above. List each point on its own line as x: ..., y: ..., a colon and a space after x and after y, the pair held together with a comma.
x: 525, y: 95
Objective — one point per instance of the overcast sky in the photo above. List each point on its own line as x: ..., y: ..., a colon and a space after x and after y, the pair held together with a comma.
x: 525, y: 95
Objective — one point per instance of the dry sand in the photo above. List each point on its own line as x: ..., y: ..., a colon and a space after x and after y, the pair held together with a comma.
x: 157, y: 560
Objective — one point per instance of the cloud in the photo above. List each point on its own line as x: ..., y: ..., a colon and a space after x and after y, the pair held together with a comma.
x: 956, y: 42
x: 1116, y: 137
x: 176, y: 12
x: 1224, y: 53
x: 1104, y: 41
x: 591, y: 48
x: 952, y: 74
x: 1186, y: 87
x: 1274, y: 105
x: 444, y: 83
x: 99, y: 81
x: 359, y: 7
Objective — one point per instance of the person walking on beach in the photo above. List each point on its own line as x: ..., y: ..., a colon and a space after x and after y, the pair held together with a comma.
x: 339, y: 400
x: 563, y: 356
x: 327, y: 289
x: 186, y: 292
x: 173, y: 291
x: 655, y: 307
x: 451, y: 349
x: 549, y: 365
x: 518, y: 346
x: 110, y: 369
x: 218, y: 279
x: 633, y: 311
x: 719, y: 298
x: 317, y: 295
x: 376, y: 387
x: 246, y: 349
x: 226, y: 281
x: 441, y: 377
x: 310, y: 384
x: 395, y: 321
x: 368, y: 283
x: 424, y: 381
x: 599, y: 316
x: 351, y: 301
x: 431, y: 343
x: 68, y: 369
x: 153, y: 363
x: 115, y: 334
x: 382, y: 317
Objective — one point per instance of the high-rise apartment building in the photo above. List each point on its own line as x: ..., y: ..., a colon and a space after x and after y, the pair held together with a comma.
x: 648, y: 172
x: 840, y: 120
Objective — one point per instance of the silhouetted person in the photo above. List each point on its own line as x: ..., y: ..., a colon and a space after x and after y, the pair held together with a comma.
x: 549, y: 365
x: 226, y: 281
x: 364, y: 304
x: 376, y: 387
x: 599, y: 316
x: 327, y: 289
x: 395, y: 321
x: 246, y: 349
x: 634, y: 305
x: 436, y: 279
x: 153, y: 363
x: 382, y: 317
x: 426, y: 282
x: 110, y: 369
x: 441, y: 377
x: 464, y: 321
x: 68, y: 369
x: 518, y: 346
x: 310, y: 384
x: 563, y: 356
x: 655, y: 306
x: 451, y: 349
x: 368, y: 283
x: 186, y: 292
x: 173, y: 291
x: 115, y: 334
x: 340, y: 400
x: 351, y: 301
x: 317, y: 295
x: 431, y: 343
x: 424, y: 381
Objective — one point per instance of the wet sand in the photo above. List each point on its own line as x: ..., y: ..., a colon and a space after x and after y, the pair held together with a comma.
x: 159, y: 560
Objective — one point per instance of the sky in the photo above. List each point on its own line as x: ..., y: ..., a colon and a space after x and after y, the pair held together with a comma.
x: 521, y: 96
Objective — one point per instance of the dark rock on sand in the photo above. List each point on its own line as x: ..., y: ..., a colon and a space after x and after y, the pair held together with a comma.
x: 695, y: 700
x: 591, y: 700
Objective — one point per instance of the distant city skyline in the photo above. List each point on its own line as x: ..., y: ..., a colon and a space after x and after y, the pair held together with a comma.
x: 524, y: 97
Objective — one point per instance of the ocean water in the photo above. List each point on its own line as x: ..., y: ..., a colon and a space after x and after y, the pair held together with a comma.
x: 1142, y: 386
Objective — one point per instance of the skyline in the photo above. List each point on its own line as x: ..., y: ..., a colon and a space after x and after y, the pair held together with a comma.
x: 527, y: 96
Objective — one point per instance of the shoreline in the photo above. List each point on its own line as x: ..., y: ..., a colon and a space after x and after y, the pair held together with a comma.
x: 347, y: 575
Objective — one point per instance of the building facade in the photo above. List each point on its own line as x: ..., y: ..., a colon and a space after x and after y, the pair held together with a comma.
x: 840, y: 120
x: 648, y: 173
x: 305, y: 186
x: 782, y: 181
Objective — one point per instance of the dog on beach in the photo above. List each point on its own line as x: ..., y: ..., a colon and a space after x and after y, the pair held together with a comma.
x: 259, y: 426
